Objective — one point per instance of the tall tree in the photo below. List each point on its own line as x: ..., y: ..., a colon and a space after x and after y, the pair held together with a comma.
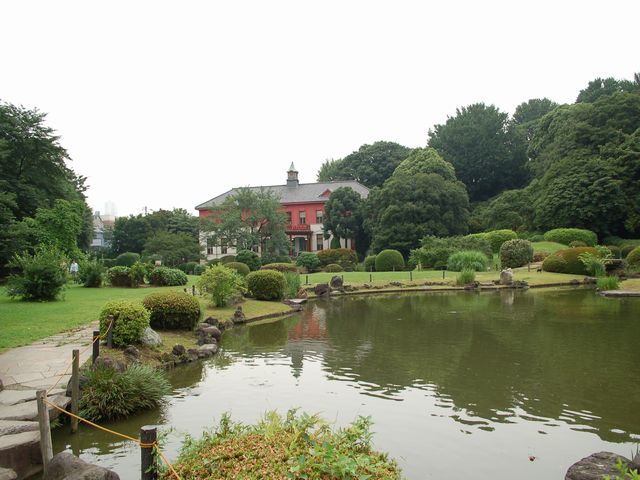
x: 342, y: 214
x: 330, y: 170
x: 484, y: 148
x: 607, y: 86
x: 173, y: 248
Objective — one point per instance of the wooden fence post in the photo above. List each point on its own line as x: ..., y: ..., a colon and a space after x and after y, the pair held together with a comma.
x: 75, y: 389
x: 112, y: 322
x: 443, y: 274
x: 96, y: 345
x: 193, y: 290
x: 410, y: 275
x: 370, y: 278
x: 148, y: 436
x: 45, y: 428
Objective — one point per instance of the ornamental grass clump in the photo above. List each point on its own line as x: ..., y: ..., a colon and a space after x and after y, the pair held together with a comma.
x: 295, y: 446
x: 109, y: 395
x: 608, y: 283
x: 468, y: 260
x: 293, y: 284
x: 466, y: 277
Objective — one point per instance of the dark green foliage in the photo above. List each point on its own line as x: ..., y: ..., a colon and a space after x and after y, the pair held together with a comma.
x: 601, y: 87
x: 626, y: 248
x: 172, y: 310
x: 266, y: 284
x: 127, y: 259
x: 343, y: 214
x: 173, y: 248
x: 434, y: 256
x: 578, y: 243
x: 570, y: 262
x: 608, y: 283
x: 222, y: 283
x: 131, y: 319
x: 137, y: 272
x: 109, y: 395
x: 497, y: 237
x: 109, y: 262
x: 515, y: 253
x: 466, y: 277
x: 567, y: 235
x: 471, y: 242
x: 268, y: 258
x: 239, y: 267
x: 169, y: 277
x: 633, y: 258
x: 249, y: 258
x: 335, y: 243
x: 554, y: 263
x: 536, y: 238
x: 119, y: 276
x: 468, y: 260
x: 344, y: 257
x: 426, y: 160
x: 330, y: 170
x: 280, y: 267
x: 370, y: 263
x: 435, y: 251
x: 227, y: 259
x: 41, y: 276
x: 293, y: 284
x: 199, y: 269
x: 308, y: 260
x: 188, y: 268
x: 92, y: 273
x: 511, y: 209
x: 333, y: 268
x: 389, y: 261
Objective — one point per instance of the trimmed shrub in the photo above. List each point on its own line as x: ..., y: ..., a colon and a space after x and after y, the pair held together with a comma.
x: 172, y: 310
x: 167, y: 277
x: 577, y: 243
x: 570, y: 261
x: 41, y: 276
x: 540, y: 256
x: 227, y: 259
x: 468, y: 260
x: 627, y: 248
x: 333, y: 268
x: 389, y: 260
x: 344, y: 257
x: 239, y: 267
x: 308, y: 260
x: 370, y: 263
x: 466, y: 277
x: 137, y: 272
x: 536, y: 238
x: 199, y: 269
x: 280, y: 267
x: 109, y: 262
x: 119, y: 276
x: 127, y: 259
x: 568, y: 235
x: 268, y: 258
x: 293, y: 284
x: 633, y: 258
x: 515, y: 253
x: 266, y: 284
x: 215, y: 261
x: 554, y: 263
x: 221, y: 282
x: 131, y: 319
x: 615, y: 250
x: 109, y: 395
x: 92, y: 273
x: 608, y: 283
x: 249, y: 258
x: 188, y: 267
x: 497, y: 237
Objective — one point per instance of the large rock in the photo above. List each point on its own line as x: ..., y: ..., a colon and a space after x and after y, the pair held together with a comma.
x: 131, y: 353
x: 207, y: 350
x: 11, y: 427
x: 6, y: 474
x: 178, y: 350
x: 321, y: 289
x: 506, y: 277
x: 238, y: 316
x: 336, y: 282
x: 214, y: 322
x: 213, y: 332
x: 151, y: 338
x: 595, y: 466
x: 104, y: 362
x: 65, y: 466
x: 20, y: 452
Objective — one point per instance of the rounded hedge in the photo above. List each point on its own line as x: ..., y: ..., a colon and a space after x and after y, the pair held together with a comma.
x: 516, y: 253
x: 555, y: 264
x: 333, y: 268
x: 633, y: 259
x: 570, y: 263
x: 172, y: 310
x: 266, y: 284
x: 578, y: 243
x: 167, y: 277
x: 131, y: 319
x: 119, y: 276
x: 344, y: 257
x: 249, y: 258
x: 280, y: 267
x: 627, y: 248
x: 370, y: 263
x: 199, y: 269
x: 127, y: 259
x: 308, y: 260
x: 537, y: 238
x: 467, y: 260
x: 227, y: 259
x: 242, y: 268
x: 389, y: 261
x: 497, y: 237
x: 568, y: 235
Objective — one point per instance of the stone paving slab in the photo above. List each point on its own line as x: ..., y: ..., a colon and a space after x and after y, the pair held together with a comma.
x: 11, y: 427
x: 12, y: 397
x: 6, y: 474
x: 29, y: 410
x: 21, y: 452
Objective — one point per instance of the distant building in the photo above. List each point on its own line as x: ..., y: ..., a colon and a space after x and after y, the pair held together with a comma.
x: 303, y: 203
x: 100, y: 224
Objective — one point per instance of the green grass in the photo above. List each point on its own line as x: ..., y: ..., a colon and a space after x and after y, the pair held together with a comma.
x: 548, y: 247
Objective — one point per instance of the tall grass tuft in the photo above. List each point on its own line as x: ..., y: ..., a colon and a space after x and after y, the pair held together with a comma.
x: 466, y: 277
x: 608, y: 283
x: 293, y: 284
x: 468, y: 260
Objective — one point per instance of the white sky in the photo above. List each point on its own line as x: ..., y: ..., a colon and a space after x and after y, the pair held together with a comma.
x: 167, y: 104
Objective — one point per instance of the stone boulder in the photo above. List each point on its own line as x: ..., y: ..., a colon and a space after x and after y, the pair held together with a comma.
x: 595, y: 466
x: 336, y: 282
x: 6, y: 474
x: 150, y: 338
x: 238, y: 316
x: 105, y: 362
x: 178, y: 350
x: 506, y: 277
x: 213, y: 332
x: 131, y: 353
x: 214, y: 322
x: 65, y: 466
x: 207, y: 350
x: 321, y: 289
x: 192, y: 354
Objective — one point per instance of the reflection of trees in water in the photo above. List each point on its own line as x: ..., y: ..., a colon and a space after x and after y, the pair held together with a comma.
x: 491, y: 353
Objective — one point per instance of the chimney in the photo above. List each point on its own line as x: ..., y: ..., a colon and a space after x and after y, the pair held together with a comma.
x: 292, y: 176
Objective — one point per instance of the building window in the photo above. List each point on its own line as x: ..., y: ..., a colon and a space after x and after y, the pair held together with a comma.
x: 303, y: 217
x: 223, y: 246
x: 210, y: 250
x: 319, y: 241
x: 211, y: 246
x: 288, y: 217
x: 319, y: 216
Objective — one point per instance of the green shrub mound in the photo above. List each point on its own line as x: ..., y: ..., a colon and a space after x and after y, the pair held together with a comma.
x: 199, y: 269
x: 241, y: 268
x: 497, y: 237
x: 389, y: 261
x: 188, y: 268
x: 608, y: 283
x: 308, y: 260
x: 227, y: 259
x: 466, y: 277
x: 633, y: 258
x: 536, y: 238
x: 249, y: 258
x: 221, y: 283
x: 109, y: 395
x: 167, y: 277
x: 127, y: 259
x: 41, y: 276
x: 370, y: 263
x: 344, y: 257
x: 615, y: 250
x: 92, y: 273
x: 516, y: 253
x: 131, y: 319
x: 468, y: 260
x: 266, y: 284
x: 172, y: 310
x: 568, y: 235
x: 578, y: 243
x: 119, y: 276
x: 333, y: 268
x: 138, y: 272
x: 280, y: 267
x: 297, y: 446
x: 568, y: 261
x: 109, y: 262
x: 626, y: 248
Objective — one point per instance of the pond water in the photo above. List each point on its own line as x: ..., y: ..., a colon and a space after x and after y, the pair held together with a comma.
x: 459, y: 385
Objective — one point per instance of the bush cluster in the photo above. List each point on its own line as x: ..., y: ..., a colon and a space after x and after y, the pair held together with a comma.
x: 137, y: 272
x: 249, y: 258
x: 131, y: 319
x: 626, y: 248
x: 268, y: 258
x: 239, y: 267
x: 308, y: 260
x: 333, y: 268
x: 370, y: 263
x: 578, y: 243
x: 221, y: 283
x: 516, y: 253
x: 344, y: 257
x: 188, y: 268
x: 167, y: 277
x: 92, y: 273
x: 468, y: 260
x: 280, y: 267
x: 389, y: 261
x: 266, y: 284
x: 41, y: 276
x: 199, y: 269
x: 497, y: 237
x: 633, y: 258
x: 127, y: 259
x: 227, y: 259
x: 567, y: 235
x: 568, y: 261
x: 172, y: 310
x: 118, y: 276
x: 435, y: 251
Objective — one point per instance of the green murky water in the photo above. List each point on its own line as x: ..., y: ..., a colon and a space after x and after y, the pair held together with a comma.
x: 459, y: 385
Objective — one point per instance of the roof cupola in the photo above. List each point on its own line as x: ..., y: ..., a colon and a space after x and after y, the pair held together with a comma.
x: 292, y: 176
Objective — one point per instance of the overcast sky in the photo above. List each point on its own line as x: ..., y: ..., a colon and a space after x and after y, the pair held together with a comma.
x: 167, y: 104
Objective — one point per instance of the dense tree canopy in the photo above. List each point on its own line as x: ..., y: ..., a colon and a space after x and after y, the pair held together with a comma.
x: 173, y: 248
x: 607, y: 86
x: 330, y: 170
x: 343, y: 214
x: 426, y: 160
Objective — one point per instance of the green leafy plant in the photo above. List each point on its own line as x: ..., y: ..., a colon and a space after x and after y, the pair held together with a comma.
x: 266, y: 284
x: 468, y: 260
x: 127, y: 259
x: 608, y: 283
x: 239, y: 267
x: 344, y: 257
x: 280, y: 267
x: 170, y: 277
x: 633, y: 258
x: 624, y: 472
x: 515, y: 253
x: 466, y: 277
x: 172, y: 310
x: 92, y: 273
x: 370, y: 263
x: 131, y: 319
x: 41, y: 276
x: 249, y: 258
x: 137, y: 272
x: 333, y: 268
x: 293, y: 284
x: 227, y: 259
x: 118, y: 276
x: 308, y: 260
x: 593, y: 264
x: 568, y: 235
x: 199, y: 269
x: 389, y: 260
x: 577, y: 243
x: 221, y: 283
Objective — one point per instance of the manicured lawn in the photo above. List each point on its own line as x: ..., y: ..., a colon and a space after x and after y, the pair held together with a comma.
x: 548, y: 247
x: 632, y: 284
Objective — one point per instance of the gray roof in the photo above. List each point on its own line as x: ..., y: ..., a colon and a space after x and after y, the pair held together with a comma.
x: 303, y: 192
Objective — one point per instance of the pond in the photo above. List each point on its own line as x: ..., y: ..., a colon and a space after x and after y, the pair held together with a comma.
x: 493, y: 385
